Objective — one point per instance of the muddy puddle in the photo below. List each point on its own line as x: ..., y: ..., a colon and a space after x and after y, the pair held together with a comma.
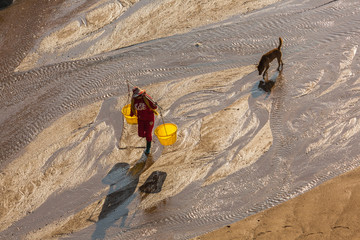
x: 73, y: 168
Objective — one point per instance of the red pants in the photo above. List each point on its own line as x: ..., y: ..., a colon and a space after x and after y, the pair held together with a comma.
x: 145, y: 129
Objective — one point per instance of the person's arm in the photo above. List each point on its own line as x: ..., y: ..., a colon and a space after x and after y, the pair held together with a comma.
x: 133, y: 110
x: 149, y: 102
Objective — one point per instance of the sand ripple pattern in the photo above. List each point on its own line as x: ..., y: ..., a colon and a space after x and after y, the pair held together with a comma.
x: 315, y: 135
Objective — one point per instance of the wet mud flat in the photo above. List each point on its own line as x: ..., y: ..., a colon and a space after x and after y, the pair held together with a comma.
x: 240, y: 149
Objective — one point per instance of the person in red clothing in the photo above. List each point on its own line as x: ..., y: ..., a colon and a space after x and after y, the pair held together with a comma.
x: 144, y: 108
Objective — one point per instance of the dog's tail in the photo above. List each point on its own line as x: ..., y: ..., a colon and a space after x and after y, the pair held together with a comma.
x: 280, y: 44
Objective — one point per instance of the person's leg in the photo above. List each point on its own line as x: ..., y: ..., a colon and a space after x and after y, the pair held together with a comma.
x: 148, y: 132
x: 141, y: 128
x: 148, y: 147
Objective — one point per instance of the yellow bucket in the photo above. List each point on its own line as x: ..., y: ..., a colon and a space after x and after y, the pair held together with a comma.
x: 129, y: 119
x: 166, y: 133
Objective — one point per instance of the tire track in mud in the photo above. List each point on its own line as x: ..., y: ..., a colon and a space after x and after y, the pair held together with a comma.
x: 277, y: 123
x: 282, y: 148
x: 302, y: 25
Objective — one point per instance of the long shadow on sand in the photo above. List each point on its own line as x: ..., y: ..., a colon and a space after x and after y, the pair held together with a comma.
x: 5, y: 3
x: 123, y: 181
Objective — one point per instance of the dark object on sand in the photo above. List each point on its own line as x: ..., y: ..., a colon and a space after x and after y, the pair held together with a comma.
x: 266, y: 86
x: 5, y: 3
x: 154, y: 182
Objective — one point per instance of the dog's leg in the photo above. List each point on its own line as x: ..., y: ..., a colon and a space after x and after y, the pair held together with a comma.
x: 266, y: 79
x: 279, y: 63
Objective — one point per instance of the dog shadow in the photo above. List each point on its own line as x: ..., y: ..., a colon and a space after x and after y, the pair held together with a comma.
x: 262, y: 87
x: 266, y: 86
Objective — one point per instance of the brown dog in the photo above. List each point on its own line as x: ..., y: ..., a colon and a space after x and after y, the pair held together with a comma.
x: 267, y: 58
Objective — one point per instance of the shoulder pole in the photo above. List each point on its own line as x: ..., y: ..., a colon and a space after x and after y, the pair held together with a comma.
x: 162, y: 118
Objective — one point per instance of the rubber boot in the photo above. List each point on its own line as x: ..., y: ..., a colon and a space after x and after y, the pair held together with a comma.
x: 148, y: 146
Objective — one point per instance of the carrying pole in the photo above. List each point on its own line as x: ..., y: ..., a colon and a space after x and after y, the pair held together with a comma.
x: 128, y: 85
x: 162, y: 118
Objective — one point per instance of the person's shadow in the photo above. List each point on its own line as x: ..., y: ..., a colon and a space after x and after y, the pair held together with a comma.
x: 123, y: 181
x: 5, y: 3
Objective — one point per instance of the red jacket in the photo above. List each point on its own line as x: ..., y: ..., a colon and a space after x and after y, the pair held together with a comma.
x: 145, y: 108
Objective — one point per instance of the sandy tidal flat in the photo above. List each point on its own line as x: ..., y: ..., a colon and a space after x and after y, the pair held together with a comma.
x: 71, y: 166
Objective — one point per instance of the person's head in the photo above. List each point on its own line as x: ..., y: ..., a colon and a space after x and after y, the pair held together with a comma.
x: 138, y: 92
